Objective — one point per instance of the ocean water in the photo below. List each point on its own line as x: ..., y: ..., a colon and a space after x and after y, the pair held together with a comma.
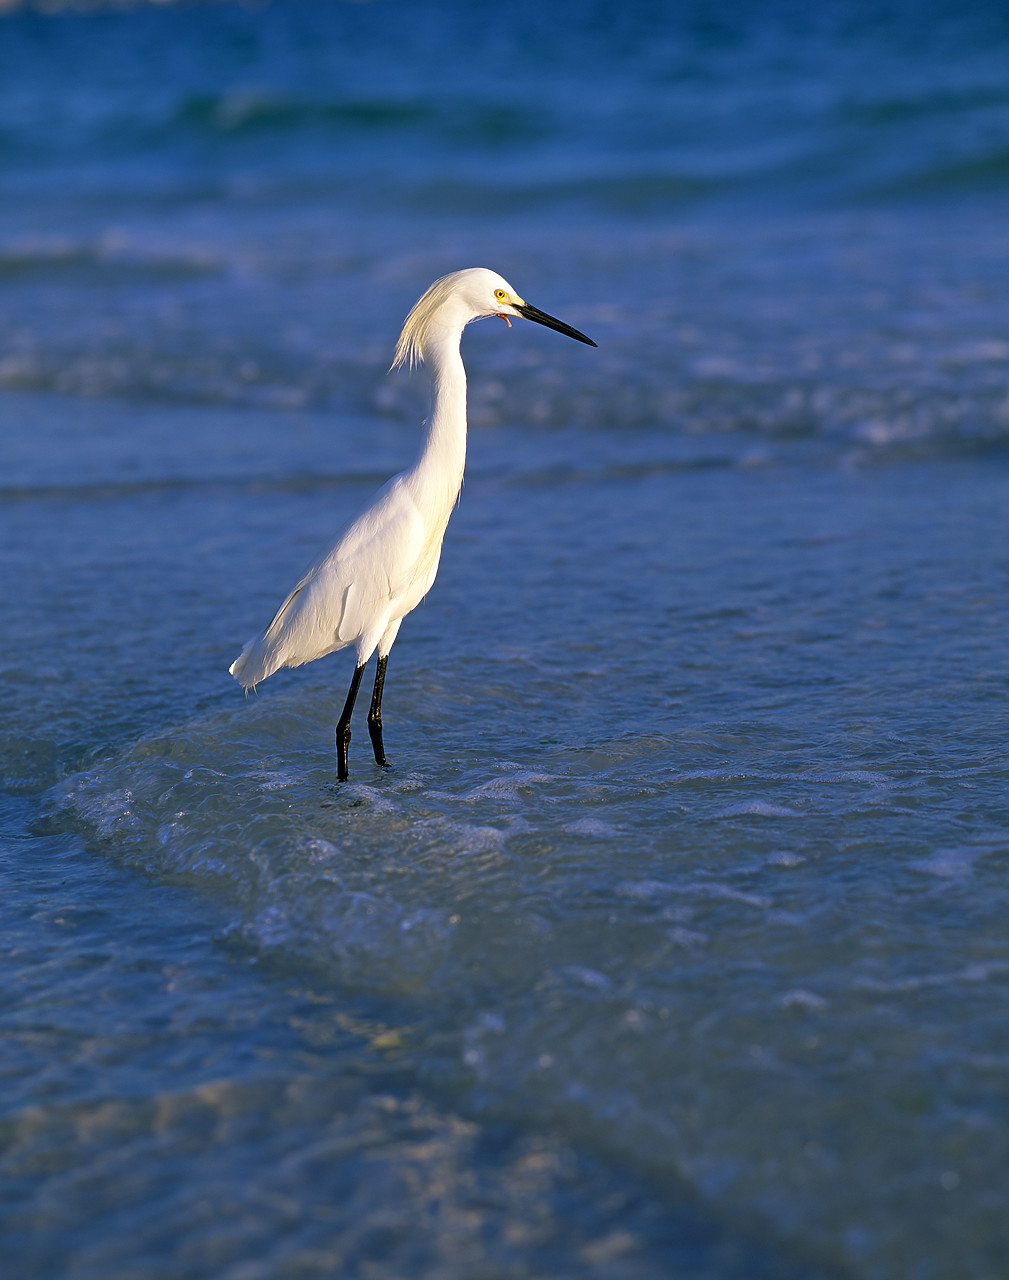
x: 673, y: 942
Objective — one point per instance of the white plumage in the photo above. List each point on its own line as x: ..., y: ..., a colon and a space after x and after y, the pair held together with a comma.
x: 385, y: 561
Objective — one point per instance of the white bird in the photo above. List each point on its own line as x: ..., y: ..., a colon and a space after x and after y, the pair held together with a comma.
x: 384, y: 563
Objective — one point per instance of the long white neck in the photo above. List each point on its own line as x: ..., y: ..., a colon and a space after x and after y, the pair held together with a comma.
x: 439, y: 469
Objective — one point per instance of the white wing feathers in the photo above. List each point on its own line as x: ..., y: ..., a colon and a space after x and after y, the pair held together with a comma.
x: 351, y: 593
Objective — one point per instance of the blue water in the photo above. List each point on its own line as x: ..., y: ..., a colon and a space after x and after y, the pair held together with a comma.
x: 673, y: 943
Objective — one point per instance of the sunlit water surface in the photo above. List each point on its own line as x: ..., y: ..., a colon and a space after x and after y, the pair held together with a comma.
x: 673, y: 942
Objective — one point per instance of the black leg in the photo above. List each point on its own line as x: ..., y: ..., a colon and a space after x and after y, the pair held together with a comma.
x: 375, y: 714
x: 343, y: 725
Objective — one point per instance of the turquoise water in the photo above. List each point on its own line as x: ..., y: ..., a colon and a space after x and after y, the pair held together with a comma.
x: 673, y: 941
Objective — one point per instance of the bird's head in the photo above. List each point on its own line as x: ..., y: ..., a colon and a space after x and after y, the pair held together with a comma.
x: 454, y: 300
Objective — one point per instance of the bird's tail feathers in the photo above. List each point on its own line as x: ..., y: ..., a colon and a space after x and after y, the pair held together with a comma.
x: 256, y: 661
x: 296, y: 635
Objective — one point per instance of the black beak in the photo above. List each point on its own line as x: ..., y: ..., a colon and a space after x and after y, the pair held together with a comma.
x: 541, y: 317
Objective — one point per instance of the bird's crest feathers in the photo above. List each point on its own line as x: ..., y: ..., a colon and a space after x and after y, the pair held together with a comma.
x: 417, y: 326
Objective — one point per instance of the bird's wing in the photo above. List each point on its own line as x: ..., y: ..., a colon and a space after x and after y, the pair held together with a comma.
x: 348, y: 587
x: 348, y: 591
x: 377, y: 558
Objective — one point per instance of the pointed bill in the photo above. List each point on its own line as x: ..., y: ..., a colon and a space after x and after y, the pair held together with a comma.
x: 541, y: 317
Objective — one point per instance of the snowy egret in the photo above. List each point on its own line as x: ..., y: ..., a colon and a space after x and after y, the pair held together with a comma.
x: 383, y: 564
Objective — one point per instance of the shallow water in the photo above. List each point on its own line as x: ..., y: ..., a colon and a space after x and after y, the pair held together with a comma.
x: 673, y: 940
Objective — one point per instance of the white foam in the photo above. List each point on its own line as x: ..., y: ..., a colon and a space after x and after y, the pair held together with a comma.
x: 113, y: 814
x: 949, y: 864
x: 275, y: 781
x: 725, y: 891
x: 644, y: 889
x: 799, y: 998
x: 980, y: 972
x: 687, y: 937
x: 758, y: 809
x: 848, y: 775
x: 464, y: 837
x: 785, y: 858
x: 587, y: 977
x: 507, y: 787
x: 368, y: 797
x: 590, y: 827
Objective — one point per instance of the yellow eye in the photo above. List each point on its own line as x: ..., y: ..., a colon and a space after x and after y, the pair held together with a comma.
x: 500, y: 295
